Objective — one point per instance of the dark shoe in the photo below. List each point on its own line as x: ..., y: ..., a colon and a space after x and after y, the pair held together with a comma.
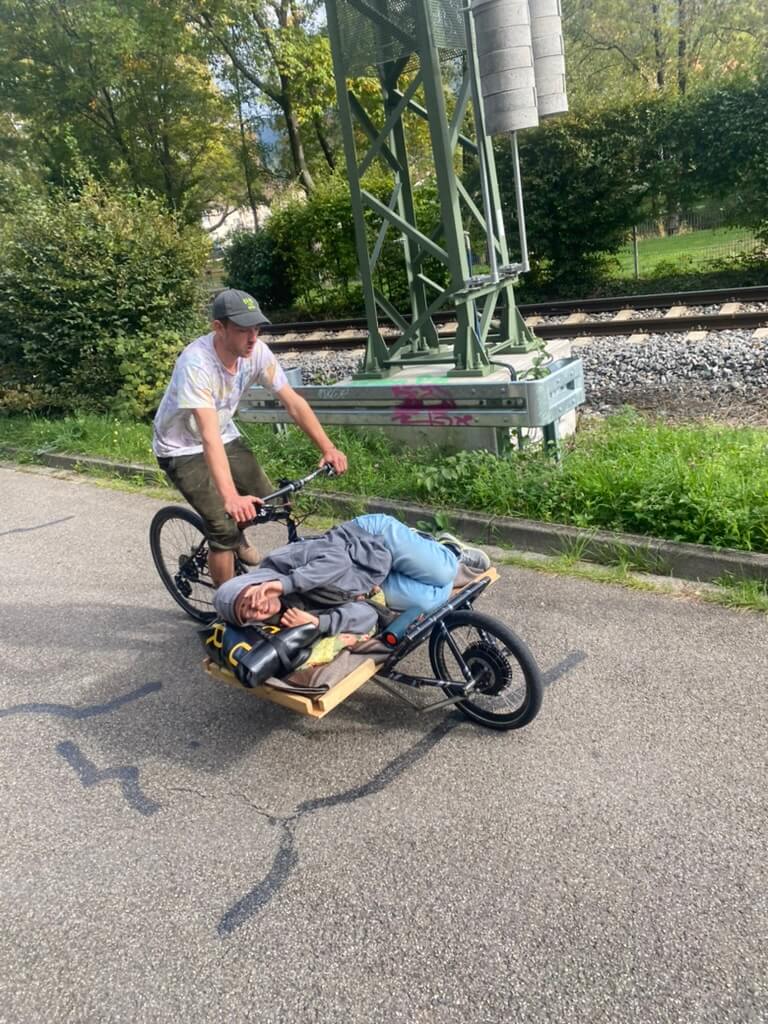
x: 473, y: 558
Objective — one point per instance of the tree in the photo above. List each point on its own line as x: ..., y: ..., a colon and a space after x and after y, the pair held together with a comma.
x: 282, y: 61
x: 619, y: 49
x: 124, y: 87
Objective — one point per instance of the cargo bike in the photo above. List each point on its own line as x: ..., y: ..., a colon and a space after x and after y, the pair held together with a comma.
x: 478, y: 663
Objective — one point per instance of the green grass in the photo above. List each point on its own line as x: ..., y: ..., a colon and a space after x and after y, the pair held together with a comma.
x: 740, y: 594
x: 749, y: 595
x: 702, y: 484
x: 82, y: 434
x: 690, y: 247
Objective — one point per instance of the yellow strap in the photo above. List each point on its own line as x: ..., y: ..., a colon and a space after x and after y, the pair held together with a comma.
x: 216, y: 639
x: 233, y: 661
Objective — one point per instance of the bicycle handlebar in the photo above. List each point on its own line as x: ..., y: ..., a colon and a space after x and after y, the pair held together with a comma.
x: 296, y: 485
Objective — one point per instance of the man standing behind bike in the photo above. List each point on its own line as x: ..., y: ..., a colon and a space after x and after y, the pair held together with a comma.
x: 196, y: 440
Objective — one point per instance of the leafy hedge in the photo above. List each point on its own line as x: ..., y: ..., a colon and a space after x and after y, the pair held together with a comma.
x: 588, y: 179
x: 252, y: 263
x: 99, y: 291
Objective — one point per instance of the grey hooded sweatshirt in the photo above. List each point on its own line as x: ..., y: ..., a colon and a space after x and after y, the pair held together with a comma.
x: 325, y: 576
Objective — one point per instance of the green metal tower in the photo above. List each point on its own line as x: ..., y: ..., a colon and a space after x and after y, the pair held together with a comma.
x: 404, y: 44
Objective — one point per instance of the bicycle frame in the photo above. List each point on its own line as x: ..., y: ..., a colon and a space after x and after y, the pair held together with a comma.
x: 420, y: 631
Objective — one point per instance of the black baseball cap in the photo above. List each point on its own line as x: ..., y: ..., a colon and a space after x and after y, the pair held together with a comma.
x: 239, y: 307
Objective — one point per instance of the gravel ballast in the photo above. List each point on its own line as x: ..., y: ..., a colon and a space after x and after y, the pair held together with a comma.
x: 726, y: 370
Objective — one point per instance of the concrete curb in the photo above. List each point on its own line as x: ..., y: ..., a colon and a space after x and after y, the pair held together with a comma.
x: 648, y: 554
x: 55, y: 460
x: 651, y: 554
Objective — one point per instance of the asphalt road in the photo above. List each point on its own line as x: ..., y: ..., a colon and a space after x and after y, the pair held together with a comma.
x: 174, y: 850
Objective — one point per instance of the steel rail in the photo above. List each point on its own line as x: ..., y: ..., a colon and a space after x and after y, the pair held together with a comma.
x: 713, y: 296
x: 547, y: 332
x: 655, y: 325
x: 755, y: 293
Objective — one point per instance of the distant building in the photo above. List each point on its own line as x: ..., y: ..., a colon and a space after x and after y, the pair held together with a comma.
x: 220, y: 222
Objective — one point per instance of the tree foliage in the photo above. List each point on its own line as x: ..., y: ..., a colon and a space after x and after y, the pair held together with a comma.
x: 124, y: 87
x: 588, y: 179
x: 282, y: 61
x: 618, y: 50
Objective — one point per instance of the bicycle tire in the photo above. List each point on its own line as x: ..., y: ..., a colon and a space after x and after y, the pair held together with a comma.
x: 508, y: 670
x: 180, y: 553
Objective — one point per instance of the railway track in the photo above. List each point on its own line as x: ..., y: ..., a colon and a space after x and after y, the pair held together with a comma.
x: 673, y: 312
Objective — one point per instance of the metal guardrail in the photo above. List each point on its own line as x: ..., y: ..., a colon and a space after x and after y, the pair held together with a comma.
x: 434, y: 403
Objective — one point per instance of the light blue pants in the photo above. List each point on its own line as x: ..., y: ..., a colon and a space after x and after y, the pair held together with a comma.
x: 422, y: 570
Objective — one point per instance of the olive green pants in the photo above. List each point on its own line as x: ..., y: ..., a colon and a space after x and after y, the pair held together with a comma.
x: 190, y: 475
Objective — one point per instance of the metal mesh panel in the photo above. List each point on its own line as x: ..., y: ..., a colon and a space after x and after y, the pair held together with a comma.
x: 366, y: 43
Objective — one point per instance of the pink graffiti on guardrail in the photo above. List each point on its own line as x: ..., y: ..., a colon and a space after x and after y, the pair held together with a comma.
x: 427, y: 405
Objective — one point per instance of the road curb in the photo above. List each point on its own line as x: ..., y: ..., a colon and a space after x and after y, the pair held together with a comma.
x: 652, y: 554
x: 56, y: 460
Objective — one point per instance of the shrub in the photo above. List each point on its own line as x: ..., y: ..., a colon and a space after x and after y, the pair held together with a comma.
x: 93, y: 287
x: 252, y: 263
x: 584, y: 180
x: 314, y: 239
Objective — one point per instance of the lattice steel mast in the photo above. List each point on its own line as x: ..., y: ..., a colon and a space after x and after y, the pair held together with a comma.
x: 394, y: 37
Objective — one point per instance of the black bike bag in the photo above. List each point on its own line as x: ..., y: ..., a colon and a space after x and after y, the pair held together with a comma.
x: 254, y: 653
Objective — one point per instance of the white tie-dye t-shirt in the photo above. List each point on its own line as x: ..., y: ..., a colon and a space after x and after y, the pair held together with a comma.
x: 199, y: 381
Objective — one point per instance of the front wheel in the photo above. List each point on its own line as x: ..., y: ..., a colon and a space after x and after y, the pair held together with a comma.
x: 509, y: 691
x: 180, y: 553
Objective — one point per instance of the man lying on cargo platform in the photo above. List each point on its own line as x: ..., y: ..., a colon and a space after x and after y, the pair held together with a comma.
x: 327, y: 581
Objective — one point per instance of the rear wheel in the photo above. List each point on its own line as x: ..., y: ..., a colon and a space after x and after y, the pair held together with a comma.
x: 509, y: 692
x: 180, y: 553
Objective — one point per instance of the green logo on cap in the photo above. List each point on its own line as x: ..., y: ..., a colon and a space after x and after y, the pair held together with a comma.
x: 248, y: 302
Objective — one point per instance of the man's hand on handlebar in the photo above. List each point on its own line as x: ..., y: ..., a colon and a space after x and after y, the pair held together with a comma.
x: 242, y: 507
x: 335, y: 459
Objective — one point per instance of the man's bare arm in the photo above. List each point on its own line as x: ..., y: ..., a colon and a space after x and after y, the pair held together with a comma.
x: 301, y: 413
x: 240, y: 507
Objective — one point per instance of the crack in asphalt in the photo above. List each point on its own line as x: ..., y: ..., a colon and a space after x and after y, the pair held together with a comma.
x: 127, y: 776
x: 86, y: 711
x: 40, y: 526
x: 273, y: 819
x: 287, y: 857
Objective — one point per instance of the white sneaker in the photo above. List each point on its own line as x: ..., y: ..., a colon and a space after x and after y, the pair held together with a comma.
x: 473, y: 558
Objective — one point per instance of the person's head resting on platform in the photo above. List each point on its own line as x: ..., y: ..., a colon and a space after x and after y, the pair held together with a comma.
x: 246, y: 610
